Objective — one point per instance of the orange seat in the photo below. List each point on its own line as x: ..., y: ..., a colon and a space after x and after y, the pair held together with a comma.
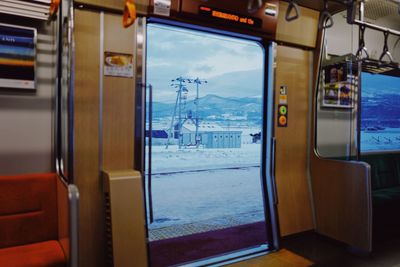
x: 43, y: 254
x: 29, y: 221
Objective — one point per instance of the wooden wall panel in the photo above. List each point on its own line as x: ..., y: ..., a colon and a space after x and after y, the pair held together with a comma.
x: 86, y: 124
x: 293, y: 70
x: 302, y: 31
x: 118, y: 101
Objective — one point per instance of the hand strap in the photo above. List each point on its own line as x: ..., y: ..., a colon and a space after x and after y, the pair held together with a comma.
x: 129, y: 13
x: 292, y: 8
x: 54, y: 5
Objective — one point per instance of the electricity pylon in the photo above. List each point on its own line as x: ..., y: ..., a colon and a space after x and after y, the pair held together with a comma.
x: 180, y: 107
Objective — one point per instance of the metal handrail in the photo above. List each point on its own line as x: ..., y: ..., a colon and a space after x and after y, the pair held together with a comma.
x: 73, y: 199
x: 360, y: 22
x: 150, y: 144
x: 65, y: 18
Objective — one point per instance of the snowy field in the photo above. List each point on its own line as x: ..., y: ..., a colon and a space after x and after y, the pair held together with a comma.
x: 388, y: 139
x: 190, y: 197
x: 174, y: 159
x: 192, y: 185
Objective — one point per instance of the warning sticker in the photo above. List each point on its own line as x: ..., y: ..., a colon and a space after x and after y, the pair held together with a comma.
x: 162, y: 7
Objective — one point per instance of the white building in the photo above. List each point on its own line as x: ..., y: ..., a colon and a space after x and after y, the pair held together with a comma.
x: 211, y: 136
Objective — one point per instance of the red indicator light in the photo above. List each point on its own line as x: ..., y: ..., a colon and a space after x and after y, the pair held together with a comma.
x: 205, y: 8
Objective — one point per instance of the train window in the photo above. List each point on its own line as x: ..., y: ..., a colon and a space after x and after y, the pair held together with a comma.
x: 204, y: 191
x: 380, y: 113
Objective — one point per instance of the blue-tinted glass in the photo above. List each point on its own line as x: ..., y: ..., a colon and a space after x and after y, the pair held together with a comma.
x: 380, y: 114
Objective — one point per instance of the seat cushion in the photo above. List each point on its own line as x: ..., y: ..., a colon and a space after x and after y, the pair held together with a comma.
x: 383, y: 197
x: 44, y: 254
x: 385, y: 170
x: 386, y: 211
x: 28, y: 209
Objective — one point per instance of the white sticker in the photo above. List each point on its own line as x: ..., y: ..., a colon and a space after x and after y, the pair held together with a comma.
x: 162, y: 7
x: 283, y: 90
x: 283, y: 97
x: 118, y: 65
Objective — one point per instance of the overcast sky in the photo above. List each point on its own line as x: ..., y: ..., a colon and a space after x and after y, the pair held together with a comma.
x: 232, y: 67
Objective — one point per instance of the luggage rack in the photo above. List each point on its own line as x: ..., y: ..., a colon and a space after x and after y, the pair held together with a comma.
x: 35, y: 9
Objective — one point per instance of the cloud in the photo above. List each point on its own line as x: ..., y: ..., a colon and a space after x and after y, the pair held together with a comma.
x: 232, y: 66
x: 204, y: 68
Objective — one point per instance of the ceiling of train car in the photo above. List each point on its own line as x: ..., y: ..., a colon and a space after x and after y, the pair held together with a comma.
x: 334, y: 7
x: 374, y: 9
x: 377, y: 9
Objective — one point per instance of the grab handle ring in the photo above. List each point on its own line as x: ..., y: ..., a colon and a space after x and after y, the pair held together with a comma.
x: 293, y: 7
x: 326, y: 20
x: 386, y: 49
x: 362, y: 48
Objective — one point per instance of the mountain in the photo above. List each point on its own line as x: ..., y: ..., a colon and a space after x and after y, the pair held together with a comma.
x: 213, y: 107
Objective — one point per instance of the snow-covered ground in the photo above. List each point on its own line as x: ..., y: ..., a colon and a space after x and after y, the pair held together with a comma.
x: 191, y: 186
x: 190, y: 197
x: 388, y: 139
x: 174, y: 159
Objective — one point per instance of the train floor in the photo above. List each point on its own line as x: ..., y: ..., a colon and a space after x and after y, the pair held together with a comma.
x: 310, y: 249
x: 301, y: 250
x: 325, y: 252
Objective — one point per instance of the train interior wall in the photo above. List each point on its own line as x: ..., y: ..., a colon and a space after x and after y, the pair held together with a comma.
x: 104, y: 108
x: 26, y: 117
x: 336, y: 136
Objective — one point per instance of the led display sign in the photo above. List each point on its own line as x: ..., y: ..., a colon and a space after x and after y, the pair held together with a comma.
x: 230, y: 17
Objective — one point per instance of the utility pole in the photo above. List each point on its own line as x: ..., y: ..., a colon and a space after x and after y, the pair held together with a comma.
x: 197, y: 81
x: 180, y: 106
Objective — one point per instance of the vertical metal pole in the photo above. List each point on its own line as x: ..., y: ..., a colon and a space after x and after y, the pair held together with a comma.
x: 359, y: 72
x: 149, y: 173
x: 362, y: 10
x: 197, y: 114
x: 57, y: 108
x: 71, y: 91
x: 180, y: 114
x: 101, y: 87
x: 359, y: 109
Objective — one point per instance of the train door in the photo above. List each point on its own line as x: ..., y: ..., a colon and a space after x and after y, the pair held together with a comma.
x: 205, y: 202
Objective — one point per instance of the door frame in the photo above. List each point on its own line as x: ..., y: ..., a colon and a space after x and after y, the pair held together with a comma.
x: 270, y: 197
